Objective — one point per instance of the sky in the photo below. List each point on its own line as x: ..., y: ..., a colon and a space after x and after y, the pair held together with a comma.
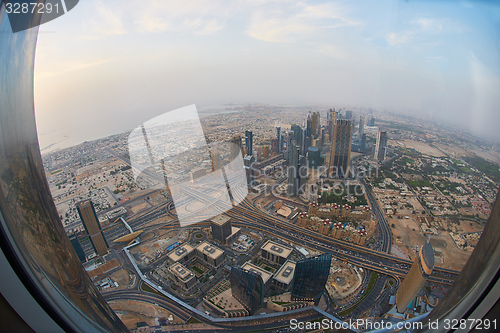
x: 108, y: 66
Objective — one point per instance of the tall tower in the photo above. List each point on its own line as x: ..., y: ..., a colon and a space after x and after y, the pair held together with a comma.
x: 288, y: 140
x: 340, y: 155
x: 310, y: 277
x: 215, y: 157
x: 417, y: 275
x: 309, y: 129
x: 361, y: 125
x: 315, y: 125
x: 381, y: 145
x: 293, y: 170
x: 348, y: 114
x: 297, y: 135
x: 249, y: 142
x: 92, y: 227
x: 280, y: 139
x: 235, y: 152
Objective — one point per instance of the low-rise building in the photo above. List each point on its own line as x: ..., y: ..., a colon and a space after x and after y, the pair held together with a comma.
x: 210, y: 254
x: 284, y: 276
x: 182, y: 276
x: 183, y: 253
x: 274, y: 252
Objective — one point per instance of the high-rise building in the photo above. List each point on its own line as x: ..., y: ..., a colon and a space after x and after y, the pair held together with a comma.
x: 92, y: 227
x: 361, y: 125
x: 78, y: 247
x: 247, y: 287
x: 221, y: 228
x: 249, y: 142
x: 236, y: 150
x: 288, y: 141
x: 313, y: 157
x: 381, y: 146
x: 417, y: 275
x: 250, y: 171
x: 362, y: 145
x: 293, y: 170
x: 315, y: 123
x: 310, y: 277
x: 215, y: 158
x: 274, y: 146
x: 297, y: 135
x: 348, y: 114
x: 372, y: 121
x: 340, y: 155
x: 309, y: 129
x: 280, y: 139
x: 322, y: 136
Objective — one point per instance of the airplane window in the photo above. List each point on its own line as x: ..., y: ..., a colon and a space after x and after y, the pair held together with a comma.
x: 273, y: 166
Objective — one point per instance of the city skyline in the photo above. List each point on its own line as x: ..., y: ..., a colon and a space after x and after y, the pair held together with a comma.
x: 430, y: 60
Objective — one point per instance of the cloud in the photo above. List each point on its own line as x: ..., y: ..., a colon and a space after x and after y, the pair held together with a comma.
x: 106, y: 22
x: 395, y: 39
x: 195, y: 16
x: 287, y: 23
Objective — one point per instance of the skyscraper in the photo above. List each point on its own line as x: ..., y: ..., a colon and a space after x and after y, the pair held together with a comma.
x: 310, y: 277
x: 249, y: 142
x: 215, y: 158
x: 313, y: 157
x: 78, y: 247
x: 362, y: 145
x: 315, y: 123
x: 274, y: 146
x: 236, y: 150
x: 288, y: 140
x: 380, y: 148
x: 340, y: 155
x: 297, y: 135
x: 280, y: 139
x: 372, y: 121
x: 221, y: 228
x: 417, y: 275
x: 247, y: 287
x: 309, y: 129
x: 293, y: 170
x: 92, y: 227
x: 348, y: 114
x: 361, y: 125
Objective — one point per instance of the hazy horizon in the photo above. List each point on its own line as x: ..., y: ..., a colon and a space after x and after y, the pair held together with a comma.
x: 106, y: 67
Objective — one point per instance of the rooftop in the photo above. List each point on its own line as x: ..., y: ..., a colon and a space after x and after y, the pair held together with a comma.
x: 181, y: 272
x: 252, y: 268
x: 210, y: 250
x: 180, y: 252
x: 220, y: 220
x: 286, y: 272
x: 277, y: 249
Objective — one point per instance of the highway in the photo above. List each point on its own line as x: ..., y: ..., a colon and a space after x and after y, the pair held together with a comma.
x: 247, y: 215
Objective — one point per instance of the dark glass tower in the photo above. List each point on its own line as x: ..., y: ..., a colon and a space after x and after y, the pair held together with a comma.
x: 310, y: 277
x: 293, y: 170
x: 340, y: 155
x: 249, y: 142
x: 78, y: 247
x: 297, y: 135
x: 248, y: 288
